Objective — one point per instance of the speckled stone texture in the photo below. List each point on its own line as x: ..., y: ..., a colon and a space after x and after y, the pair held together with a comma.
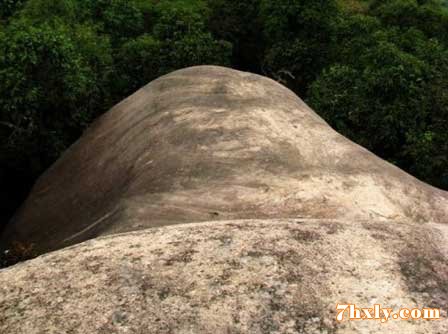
x: 269, y: 276
x: 216, y: 201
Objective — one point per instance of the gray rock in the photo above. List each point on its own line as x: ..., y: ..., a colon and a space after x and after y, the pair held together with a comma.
x: 276, y: 219
x: 210, y: 143
x: 266, y: 276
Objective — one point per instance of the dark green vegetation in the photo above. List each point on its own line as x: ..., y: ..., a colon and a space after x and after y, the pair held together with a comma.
x: 376, y: 70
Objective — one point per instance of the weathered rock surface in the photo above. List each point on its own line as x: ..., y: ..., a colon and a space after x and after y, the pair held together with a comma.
x: 286, y: 218
x: 269, y: 276
x: 209, y: 143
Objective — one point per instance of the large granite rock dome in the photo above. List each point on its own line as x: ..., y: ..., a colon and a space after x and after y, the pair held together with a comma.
x: 286, y: 218
x: 210, y: 143
x: 268, y: 276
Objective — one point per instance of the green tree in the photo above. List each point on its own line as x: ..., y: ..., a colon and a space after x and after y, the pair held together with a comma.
x: 9, y: 7
x: 299, y: 36
x: 118, y: 19
x: 178, y: 39
x: 50, y: 89
x: 42, y: 78
x: 185, y: 41
x: 239, y: 23
x: 392, y: 101
x: 138, y: 63
x: 424, y: 15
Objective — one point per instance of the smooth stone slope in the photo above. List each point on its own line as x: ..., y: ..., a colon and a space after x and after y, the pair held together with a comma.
x: 210, y: 143
x: 269, y: 276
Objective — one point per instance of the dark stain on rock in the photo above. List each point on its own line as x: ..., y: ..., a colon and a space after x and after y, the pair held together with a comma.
x: 225, y: 240
x: 163, y: 293
x: 254, y: 253
x: 185, y: 256
x: 119, y: 317
x: 305, y: 236
x: 379, y: 236
x: 333, y: 227
x: 383, y: 231
x: 425, y: 269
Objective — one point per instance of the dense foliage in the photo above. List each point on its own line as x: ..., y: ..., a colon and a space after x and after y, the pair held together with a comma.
x: 376, y: 70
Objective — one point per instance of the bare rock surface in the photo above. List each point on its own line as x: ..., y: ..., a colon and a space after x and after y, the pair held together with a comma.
x: 277, y: 218
x: 210, y: 143
x: 249, y: 276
